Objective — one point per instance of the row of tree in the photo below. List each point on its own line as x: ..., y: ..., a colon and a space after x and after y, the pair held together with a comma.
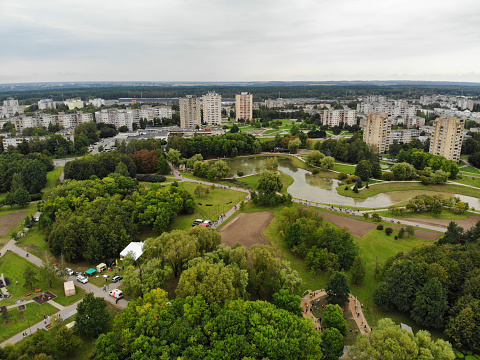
x: 351, y: 150
x: 422, y: 160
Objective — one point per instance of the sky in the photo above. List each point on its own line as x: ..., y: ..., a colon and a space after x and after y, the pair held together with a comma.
x: 242, y: 40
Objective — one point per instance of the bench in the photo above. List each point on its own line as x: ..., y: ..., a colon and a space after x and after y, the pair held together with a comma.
x: 28, y: 294
x: 38, y: 290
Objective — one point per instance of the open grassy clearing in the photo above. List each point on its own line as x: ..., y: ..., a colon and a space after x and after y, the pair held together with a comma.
x: 408, y: 186
x: 469, y: 180
x: 52, y: 180
x: 446, y: 214
x: 34, y: 242
x: 470, y: 169
x: 346, y: 168
x: 13, y: 266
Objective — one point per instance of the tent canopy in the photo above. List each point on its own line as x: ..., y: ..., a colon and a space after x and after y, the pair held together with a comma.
x: 134, y: 247
x: 90, y: 271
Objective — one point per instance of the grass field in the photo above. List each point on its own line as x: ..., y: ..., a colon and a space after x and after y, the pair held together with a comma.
x: 34, y: 242
x: 408, y: 186
x: 52, y: 179
x: 13, y: 267
x: 446, y: 214
x: 469, y: 180
x: 217, y: 202
x: 470, y: 169
x: 349, y: 169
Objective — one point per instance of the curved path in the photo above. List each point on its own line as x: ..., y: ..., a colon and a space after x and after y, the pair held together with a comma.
x: 353, y: 304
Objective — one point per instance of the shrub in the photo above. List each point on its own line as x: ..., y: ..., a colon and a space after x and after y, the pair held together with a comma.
x: 315, y: 171
x: 346, y: 188
x: 380, y: 227
x: 396, y: 237
x: 388, y: 176
x: 239, y: 173
x: 388, y: 231
x: 151, y: 178
x: 342, y: 176
x: 355, y: 189
x: 425, y: 180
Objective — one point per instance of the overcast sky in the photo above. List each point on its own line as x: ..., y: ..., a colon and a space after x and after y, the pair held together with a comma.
x: 242, y: 40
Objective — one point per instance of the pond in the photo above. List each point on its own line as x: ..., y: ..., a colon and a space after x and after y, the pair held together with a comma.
x: 323, y: 190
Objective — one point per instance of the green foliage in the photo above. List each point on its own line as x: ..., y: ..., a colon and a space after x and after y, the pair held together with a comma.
x: 375, y: 217
x: 327, y: 163
x: 388, y: 231
x: 389, y: 341
x: 351, y: 150
x: 333, y: 343
x: 92, y: 316
x: 283, y: 299
x: 65, y: 342
x: 422, y: 160
x: 364, y: 170
x: 358, y: 271
x: 379, y: 227
x: 192, y: 328
x: 342, y: 176
x: 403, y: 171
x: 430, y: 304
x: 388, y: 176
x: 100, y: 165
x: 333, y: 318
x: 23, y: 172
x: 337, y: 289
x: 293, y: 145
x: 314, y: 158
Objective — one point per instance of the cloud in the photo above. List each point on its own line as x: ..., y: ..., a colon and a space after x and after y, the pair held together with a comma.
x: 225, y: 40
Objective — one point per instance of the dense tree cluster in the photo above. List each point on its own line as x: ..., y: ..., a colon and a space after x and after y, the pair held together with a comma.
x: 367, y: 169
x: 135, y: 145
x: 425, y: 161
x: 212, y: 171
x: 157, y: 327
x: 95, y: 219
x: 269, y: 185
x: 435, y: 204
x: 99, y: 165
x: 228, y: 145
x: 351, y: 150
x: 150, y: 161
x: 438, y: 285
x: 324, y: 247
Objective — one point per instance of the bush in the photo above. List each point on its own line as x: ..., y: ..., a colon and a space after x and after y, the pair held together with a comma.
x: 151, y: 178
x: 388, y: 176
x: 425, y: 180
x: 355, y: 189
x: 239, y: 173
x: 380, y: 227
x: 396, y: 237
x: 342, y: 176
x: 388, y: 231
x: 315, y: 171
x: 346, y: 188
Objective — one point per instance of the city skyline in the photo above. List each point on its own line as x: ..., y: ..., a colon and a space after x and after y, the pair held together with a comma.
x: 239, y: 41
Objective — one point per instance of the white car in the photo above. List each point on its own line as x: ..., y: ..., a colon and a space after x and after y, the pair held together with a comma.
x: 82, y: 279
x: 69, y: 271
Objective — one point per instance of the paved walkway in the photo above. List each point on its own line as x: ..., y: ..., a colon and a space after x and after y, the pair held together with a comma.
x: 353, y: 304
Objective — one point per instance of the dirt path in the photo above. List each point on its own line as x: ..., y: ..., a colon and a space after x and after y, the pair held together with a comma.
x: 247, y: 229
x: 353, y: 304
x: 10, y: 220
x: 471, y: 221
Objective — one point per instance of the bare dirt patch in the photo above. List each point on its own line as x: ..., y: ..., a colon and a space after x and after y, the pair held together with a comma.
x: 471, y: 221
x: 247, y: 229
x: 9, y: 221
x: 355, y: 227
x: 422, y: 234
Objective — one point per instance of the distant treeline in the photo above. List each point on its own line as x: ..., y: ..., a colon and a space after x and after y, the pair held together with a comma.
x: 259, y: 93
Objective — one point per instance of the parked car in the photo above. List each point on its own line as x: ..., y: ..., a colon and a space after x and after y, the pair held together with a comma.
x: 69, y: 271
x: 82, y: 279
x: 197, y: 222
x: 117, y: 278
x: 117, y: 294
x: 207, y: 223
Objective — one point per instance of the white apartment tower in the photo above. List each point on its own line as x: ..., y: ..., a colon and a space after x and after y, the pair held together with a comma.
x: 377, y: 131
x: 244, y: 106
x: 212, y: 108
x: 190, y: 114
x: 447, y: 137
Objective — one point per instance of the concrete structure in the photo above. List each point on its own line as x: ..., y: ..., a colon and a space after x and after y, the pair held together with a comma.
x: 212, y: 108
x: 447, y: 137
x: 69, y: 288
x: 136, y: 248
x: 244, y: 106
x: 377, y: 131
x: 190, y: 112
x: 74, y: 103
x: 46, y: 104
x: 333, y: 117
x: 10, y: 108
x: 404, y: 136
x: 278, y: 103
x: 96, y: 102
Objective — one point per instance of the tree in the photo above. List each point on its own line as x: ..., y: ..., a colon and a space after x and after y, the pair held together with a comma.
x: 122, y: 169
x: 269, y: 182
x: 48, y: 272
x: 21, y: 197
x: 410, y: 230
x: 390, y: 341
x: 283, y: 299
x: 30, y: 277
x: 376, y: 217
x: 333, y: 318
x: 162, y: 165
x: 358, y: 271
x: 293, y: 145
x: 337, y: 289
x: 388, y: 231
x: 218, y: 170
x: 174, y: 156
x: 364, y: 170
x: 327, y: 163
x: 430, y: 305
x: 332, y: 343
x: 463, y: 328
x: 235, y: 129
x: 314, y: 158
x: 65, y: 342
x: 92, y: 316
x: 145, y: 161
x: 34, y: 175
x: 403, y: 171
x: 401, y: 233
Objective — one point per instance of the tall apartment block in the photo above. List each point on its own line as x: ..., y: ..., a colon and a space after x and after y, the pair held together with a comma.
x: 212, y: 108
x: 377, y: 131
x: 447, y: 137
x: 244, y: 106
x: 190, y: 114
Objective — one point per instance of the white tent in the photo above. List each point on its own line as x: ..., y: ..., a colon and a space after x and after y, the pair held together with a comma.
x: 134, y: 247
x: 69, y: 288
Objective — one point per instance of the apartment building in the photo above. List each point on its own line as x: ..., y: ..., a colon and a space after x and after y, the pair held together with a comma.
x: 278, y: 103
x: 447, y: 137
x: 212, y: 108
x: 10, y: 108
x: 244, y: 106
x: 46, y: 104
x: 404, y: 136
x: 96, y: 102
x: 377, y: 131
x: 163, y: 111
x: 190, y: 112
x: 74, y: 104
x: 333, y: 117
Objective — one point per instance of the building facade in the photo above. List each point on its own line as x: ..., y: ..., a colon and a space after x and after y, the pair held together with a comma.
x: 244, y: 106
x: 46, y: 104
x: 377, y: 131
x: 447, y: 137
x: 190, y: 112
x: 212, y: 108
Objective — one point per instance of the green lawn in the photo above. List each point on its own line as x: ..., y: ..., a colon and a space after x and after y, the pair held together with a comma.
x: 34, y: 242
x: 349, y: 169
x: 470, y: 169
x: 469, y: 180
x: 446, y: 214
x: 408, y: 186
x: 218, y: 202
x: 52, y: 179
x: 20, y: 320
x: 13, y: 267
